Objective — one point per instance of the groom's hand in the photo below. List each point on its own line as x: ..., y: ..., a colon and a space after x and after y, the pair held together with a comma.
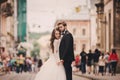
x: 60, y: 62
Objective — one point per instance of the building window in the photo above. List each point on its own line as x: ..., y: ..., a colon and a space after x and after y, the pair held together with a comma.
x: 74, y: 47
x: 83, y: 46
x: 74, y: 31
x: 83, y: 32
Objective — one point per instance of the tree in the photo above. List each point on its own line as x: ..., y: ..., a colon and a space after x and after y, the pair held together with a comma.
x: 36, y: 50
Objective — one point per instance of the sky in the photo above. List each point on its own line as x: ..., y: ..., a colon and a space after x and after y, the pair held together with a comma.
x: 44, y: 13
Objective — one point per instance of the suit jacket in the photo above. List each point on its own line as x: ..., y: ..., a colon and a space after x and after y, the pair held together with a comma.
x: 66, y: 50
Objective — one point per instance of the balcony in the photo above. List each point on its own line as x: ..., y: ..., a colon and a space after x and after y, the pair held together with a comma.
x: 7, y: 9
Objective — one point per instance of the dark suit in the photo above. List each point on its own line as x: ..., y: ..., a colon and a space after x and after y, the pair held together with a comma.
x: 66, y: 53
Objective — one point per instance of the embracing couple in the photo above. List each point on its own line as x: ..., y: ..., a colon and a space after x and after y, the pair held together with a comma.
x: 58, y: 66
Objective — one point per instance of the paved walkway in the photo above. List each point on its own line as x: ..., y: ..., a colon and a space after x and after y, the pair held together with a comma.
x: 98, y: 77
x: 76, y: 76
x: 30, y: 76
x: 15, y: 76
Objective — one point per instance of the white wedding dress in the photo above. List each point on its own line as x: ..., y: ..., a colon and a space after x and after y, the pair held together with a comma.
x: 50, y: 70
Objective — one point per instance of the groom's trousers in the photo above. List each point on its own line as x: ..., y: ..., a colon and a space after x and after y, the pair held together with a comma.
x: 68, y: 70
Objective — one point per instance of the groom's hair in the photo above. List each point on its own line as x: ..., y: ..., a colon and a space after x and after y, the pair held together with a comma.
x: 63, y: 23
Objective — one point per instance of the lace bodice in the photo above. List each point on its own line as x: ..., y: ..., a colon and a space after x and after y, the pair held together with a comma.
x: 56, y: 48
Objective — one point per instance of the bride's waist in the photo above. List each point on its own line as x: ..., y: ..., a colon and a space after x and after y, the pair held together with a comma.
x: 56, y: 56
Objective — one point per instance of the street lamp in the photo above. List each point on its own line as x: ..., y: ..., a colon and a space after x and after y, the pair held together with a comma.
x: 101, y: 22
x: 100, y: 10
x: 118, y: 6
x: 7, y: 9
x: 118, y: 9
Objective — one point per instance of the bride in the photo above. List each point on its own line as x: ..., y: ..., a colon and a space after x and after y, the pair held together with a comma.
x: 51, y: 70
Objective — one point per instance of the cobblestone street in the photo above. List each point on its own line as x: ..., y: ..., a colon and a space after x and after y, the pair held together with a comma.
x: 28, y: 76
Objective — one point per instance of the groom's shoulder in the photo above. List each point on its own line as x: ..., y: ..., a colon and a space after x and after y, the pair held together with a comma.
x: 68, y: 33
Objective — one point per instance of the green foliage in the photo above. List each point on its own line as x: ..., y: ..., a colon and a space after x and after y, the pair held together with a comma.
x: 37, y: 35
x: 36, y: 50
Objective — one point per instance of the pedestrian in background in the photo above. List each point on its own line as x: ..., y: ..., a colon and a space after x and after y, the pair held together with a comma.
x: 21, y: 63
x: 17, y: 64
x: 107, y: 63
x: 83, y: 55
x: 113, y: 60
x: 77, y: 62
x: 4, y: 53
x: 89, y: 60
x: 35, y: 60
x: 96, y: 56
x: 29, y: 61
x: 39, y: 64
x: 101, y: 63
x: 33, y: 66
x: 74, y: 68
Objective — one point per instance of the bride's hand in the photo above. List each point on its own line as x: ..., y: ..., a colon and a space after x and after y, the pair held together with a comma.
x: 58, y: 63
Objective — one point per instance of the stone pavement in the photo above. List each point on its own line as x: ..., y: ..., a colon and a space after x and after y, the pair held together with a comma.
x: 98, y: 77
x: 29, y: 76
x: 15, y: 76
x: 76, y: 76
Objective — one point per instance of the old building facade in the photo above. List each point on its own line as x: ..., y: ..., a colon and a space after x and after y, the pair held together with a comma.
x: 108, y: 29
x: 12, y: 23
x: 7, y: 24
x: 109, y: 26
x: 81, y: 32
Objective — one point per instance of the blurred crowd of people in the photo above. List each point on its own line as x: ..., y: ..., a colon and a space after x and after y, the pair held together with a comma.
x: 96, y: 62
x: 19, y: 63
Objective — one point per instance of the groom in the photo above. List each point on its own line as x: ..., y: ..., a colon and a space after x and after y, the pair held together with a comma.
x: 66, y: 51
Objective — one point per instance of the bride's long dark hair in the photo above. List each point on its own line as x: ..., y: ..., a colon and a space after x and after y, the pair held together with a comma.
x: 53, y: 38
